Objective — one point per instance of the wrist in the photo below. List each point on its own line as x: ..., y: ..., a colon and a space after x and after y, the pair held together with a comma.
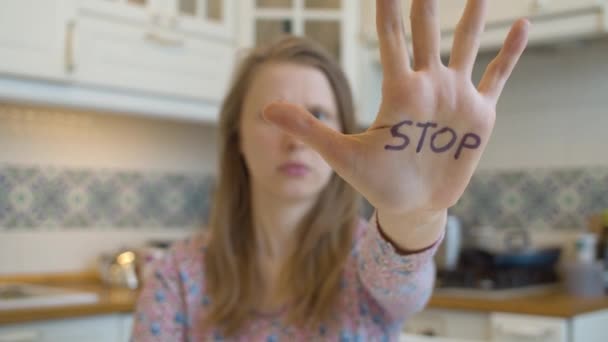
x: 414, y: 230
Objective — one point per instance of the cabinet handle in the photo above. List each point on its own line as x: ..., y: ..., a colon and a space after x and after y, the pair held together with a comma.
x: 165, y: 41
x: 428, y: 332
x: 69, y: 46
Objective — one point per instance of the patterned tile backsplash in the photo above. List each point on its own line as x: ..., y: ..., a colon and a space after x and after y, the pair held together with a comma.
x: 47, y: 197
x: 34, y: 197
x: 535, y: 199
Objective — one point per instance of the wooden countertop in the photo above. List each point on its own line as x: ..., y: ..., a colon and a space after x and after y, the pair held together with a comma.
x: 556, y: 304
x: 112, y: 300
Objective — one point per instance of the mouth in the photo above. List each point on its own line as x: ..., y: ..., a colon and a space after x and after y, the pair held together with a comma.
x: 294, y: 169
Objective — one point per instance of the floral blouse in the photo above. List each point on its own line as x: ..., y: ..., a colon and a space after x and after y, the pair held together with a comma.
x: 380, y: 289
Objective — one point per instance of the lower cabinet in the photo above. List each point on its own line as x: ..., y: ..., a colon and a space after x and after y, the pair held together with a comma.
x: 456, y: 324
x: 106, y: 328
x: 477, y: 326
x: 523, y: 328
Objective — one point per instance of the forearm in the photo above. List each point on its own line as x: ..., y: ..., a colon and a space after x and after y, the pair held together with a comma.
x: 412, y: 231
x: 399, y: 280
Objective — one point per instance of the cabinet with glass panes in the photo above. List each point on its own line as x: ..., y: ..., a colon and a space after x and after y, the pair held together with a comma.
x: 332, y: 23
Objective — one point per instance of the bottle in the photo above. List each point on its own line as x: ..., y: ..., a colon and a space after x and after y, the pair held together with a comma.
x: 602, y: 245
x: 604, y: 242
x: 603, y: 238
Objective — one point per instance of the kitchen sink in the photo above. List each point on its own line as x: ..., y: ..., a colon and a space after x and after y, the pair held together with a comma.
x: 23, y: 296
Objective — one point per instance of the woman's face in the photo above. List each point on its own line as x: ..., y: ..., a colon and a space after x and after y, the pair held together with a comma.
x: 280, y: 165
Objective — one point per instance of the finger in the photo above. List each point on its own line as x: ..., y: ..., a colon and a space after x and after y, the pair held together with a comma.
x: 499, y: 70
x: 468, y: 35
x: 335, y: 147
x: 426, y: 37
x: 391, y: 37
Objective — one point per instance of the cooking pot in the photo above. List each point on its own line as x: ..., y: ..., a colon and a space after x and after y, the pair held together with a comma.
x: 542, y: 257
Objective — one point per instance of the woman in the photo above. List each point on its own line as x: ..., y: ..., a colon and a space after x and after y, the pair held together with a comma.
x: 286, y: 257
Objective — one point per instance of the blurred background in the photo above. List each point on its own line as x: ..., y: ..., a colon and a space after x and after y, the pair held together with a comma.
x: 108, y: 126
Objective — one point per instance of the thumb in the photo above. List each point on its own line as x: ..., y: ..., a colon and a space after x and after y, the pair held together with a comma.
x: 336, y: 148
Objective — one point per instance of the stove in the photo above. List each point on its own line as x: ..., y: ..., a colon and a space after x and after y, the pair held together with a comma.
x: 496, y: 279
x: 476, y: 276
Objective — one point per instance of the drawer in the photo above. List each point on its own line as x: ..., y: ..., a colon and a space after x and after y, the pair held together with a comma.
x: 527, y: 328
x: 90, y: 329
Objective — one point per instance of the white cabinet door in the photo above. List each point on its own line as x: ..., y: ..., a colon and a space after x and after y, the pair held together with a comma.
x: 557, y: 6
x: 202, y: 18
x: 453, y: 324
x: 126, y: 326
x: 553, y: 20
x: 142, y: 12
x: 126, y: 57
x: 334, y: 24
x: 590, y: 327
x: 33, y: 38
x: 90, y: 329
x: 528, y: 328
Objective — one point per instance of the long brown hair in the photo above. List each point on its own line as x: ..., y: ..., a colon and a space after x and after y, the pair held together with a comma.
x: 312, y: 272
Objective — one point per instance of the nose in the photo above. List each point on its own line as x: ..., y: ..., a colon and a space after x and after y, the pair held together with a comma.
x: 292, y: 143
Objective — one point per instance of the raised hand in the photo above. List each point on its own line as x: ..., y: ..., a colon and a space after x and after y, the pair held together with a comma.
x: 433, y: 123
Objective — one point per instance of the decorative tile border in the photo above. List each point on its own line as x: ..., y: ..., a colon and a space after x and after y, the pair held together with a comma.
x: 534, y: 199
x: 47, y: 197
x: 34, y: 198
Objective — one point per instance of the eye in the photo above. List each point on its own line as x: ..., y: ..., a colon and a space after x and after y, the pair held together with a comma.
x: 319, y: 114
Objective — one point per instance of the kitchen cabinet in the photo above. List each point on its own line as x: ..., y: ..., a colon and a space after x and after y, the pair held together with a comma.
x: 91, y: 329
x: 202, y: 18
x: 517, y: 328
x: 132, y: 58
x: 332, y: 23
x: 508, y: 327
x: 34, y: 50
x: 152, y: 57
x: 125, y: 322
x: 553, y: 20
x: 173, y: 48
x: 464, y: 325
x: 590, y: 327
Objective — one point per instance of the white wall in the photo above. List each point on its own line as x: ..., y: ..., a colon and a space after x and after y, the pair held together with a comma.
x: 52, y: 136
x: 553, y: 112
x: 48, y: 136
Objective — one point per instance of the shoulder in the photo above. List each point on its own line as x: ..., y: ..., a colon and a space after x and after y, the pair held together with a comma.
x: 183, y: 259
x: 188, y: 251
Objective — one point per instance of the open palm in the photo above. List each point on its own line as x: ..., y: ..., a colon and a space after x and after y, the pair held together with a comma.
x: 433, y: 123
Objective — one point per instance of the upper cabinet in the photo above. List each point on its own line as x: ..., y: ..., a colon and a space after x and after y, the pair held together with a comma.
x: 553, y: 20
x: 34, y: 50
x: 332, y: 23
x: 183, y: 48
x: 169, y: 58
x: 202, y: 18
